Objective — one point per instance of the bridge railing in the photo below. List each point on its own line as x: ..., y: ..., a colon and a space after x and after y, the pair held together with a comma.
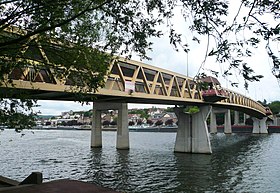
x: 239, y: 99
x: 155, y: 81
x: 152, y: 80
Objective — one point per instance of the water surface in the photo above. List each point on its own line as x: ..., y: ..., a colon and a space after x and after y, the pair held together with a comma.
x: 239, y: 163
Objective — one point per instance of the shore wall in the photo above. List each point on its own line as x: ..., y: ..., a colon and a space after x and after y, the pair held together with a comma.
x: 248, y: 129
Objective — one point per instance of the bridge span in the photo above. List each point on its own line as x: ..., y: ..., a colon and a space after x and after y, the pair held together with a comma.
x: 130, y: 81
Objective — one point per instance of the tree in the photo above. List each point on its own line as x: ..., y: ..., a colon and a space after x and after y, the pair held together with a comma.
x: 83, y: 36
x: 143, y: 112
x: 88, y: 113
x: 169, y: 109
x: 274, y: 107
x: 80, y: 36
x: 192, y: 109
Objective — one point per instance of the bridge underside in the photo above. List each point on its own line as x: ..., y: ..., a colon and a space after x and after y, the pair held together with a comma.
x: 133, y: 98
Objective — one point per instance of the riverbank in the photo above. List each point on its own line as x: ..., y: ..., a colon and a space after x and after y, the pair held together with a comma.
x: 220, y: 129
x: 248, y: 129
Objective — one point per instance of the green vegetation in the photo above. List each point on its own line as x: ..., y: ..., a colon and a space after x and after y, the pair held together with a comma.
x: 275, y: 107
x: 143, y: 112
x: 192, y: 109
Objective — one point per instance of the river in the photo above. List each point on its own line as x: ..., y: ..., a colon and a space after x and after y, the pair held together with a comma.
x: 239, y: 163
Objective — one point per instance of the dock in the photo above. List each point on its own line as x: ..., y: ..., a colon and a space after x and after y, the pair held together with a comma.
x: 34, y: 184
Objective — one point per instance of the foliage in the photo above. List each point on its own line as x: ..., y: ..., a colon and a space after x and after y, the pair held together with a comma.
x: 264, y: 102
x: 17, y: 114
x: 236, y: 39
x: 169, y: 109
x: 88, y: 113
x: 274, y: 107
x: 75, y: 36
x: 192, y: 109
x: 143, y: 112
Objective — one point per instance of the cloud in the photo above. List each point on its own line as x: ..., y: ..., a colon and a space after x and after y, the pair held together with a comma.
x: 50, y: 107
x: 267, y: 88
x: 164, y: 56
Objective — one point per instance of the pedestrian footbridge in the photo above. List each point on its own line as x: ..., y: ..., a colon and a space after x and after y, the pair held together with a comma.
x: 130, y: 81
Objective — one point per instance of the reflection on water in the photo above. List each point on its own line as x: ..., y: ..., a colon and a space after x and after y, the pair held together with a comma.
x: 239, y: 163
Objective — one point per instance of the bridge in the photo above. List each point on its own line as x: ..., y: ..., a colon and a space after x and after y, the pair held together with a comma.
x: 130, y: 81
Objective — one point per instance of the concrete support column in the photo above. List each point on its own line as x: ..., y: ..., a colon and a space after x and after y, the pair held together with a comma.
x: 200, y: 136
x: 259, y: 125
x: 122, y: 125
x: 227, y: 124
x: 183, y: 141
x: 122, y: 129
x: 245, y: 117
x: 96, y: 130
x: 236, y: 117
x: 213, y: 122
x: 192, y: 135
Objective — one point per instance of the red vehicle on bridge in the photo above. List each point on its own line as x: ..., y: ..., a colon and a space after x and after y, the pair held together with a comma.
x: 215, y: 92
x: 268, y: 111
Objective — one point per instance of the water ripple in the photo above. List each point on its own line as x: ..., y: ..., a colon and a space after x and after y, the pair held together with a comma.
x: 239, y: 163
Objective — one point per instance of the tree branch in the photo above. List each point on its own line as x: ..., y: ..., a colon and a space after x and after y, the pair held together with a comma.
x: 21, y: 38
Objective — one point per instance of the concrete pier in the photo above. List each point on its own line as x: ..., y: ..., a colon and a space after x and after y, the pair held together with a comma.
x: 260, y: 126
x: 192, y: 135
x: 227, y: 120
x: 227, y: 123
x: 96, y: 130
x: 213, y: 122
x: 236, y: 118
x: 122, y: 125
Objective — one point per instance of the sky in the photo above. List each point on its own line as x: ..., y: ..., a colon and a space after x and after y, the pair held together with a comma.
x: 164, y: 56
